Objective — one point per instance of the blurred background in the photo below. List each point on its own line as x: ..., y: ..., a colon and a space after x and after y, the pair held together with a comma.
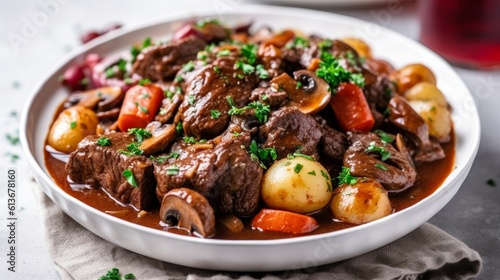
x: 36, y: 34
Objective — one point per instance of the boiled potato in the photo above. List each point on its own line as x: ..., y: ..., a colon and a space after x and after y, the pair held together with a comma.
x: 410, y: 75
x: 436, y: 116
x: 70, y: 127
x: 299, y: 185
x: 359, y: 46
x: 360, y: 203
x: 426, y: 91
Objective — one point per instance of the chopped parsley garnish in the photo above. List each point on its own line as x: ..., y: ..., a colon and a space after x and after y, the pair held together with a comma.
x: 384, y: 136
x: 188, y: 67
x: 114, y: 274
x: 350, y: 57
x: 298, y: 42
x: 140, y: 133
x: 325, y: 44
x: 133, y: 150
x: 135, y: 51
x: 173, y: 170
x: 179, y: 128
x: 144, y: 82
x: 122, y: 65
x: 287, y: 163
x: 384, y: 153
x: 312, y: 173
x: 191, y: 100
x: 110, y: 72
x: 249, y: 52
x: 334, y: 74
x: 163, y: 112
x: 261, y: 111
x: 189, y: 140
x: 262, y: 155
x: 72, y: 125
x: 203, y: 22
x: 103, y: 141
x: 215, y: 114
x: 202, y: 55
x: 297, y: 154
x: 223, y: 53
x: 127, y: 173
x: 298, y: 85
x: 13, y: 157
x: 162, y: 159
x: 387, y: 112
x: 245, y: 67
x: 261, y: 71
x: 381, y: 166
x: 237, y: 134
x: 168, y: 94
x: 179, y: 79
x: 217, y: 69
x: 491, y: 183
x: 327, y: 178
x: 345, y: 177
x: 143, y: 109
x: 13, y: 140
x: 298, y: 167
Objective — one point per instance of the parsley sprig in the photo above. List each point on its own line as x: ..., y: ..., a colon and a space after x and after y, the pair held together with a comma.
x: 103, y: 141
x: 133, y: 150
x: 114, y: 274
x: 162, y: 159
x: 382, y: 151
x: 261, y: 111
x: 140, y: 133
x: 345, y: 177
x: 129, y: 175
x: 262, y: 155
x: 334, y: 74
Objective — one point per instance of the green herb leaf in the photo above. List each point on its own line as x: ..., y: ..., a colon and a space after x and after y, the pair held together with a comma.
x: 72, y: 125
x: 298, y: 42
x: 14, y: 140
x: 384, y: 153
x: 262, y: 154
x: 133, y: 150
x: 103, y: 141
x: 140, y: 133
x: 223, y: 53
x: 179, y: 128
x: 298, y: 85
x: 122, y: 65
x: 129, y: 276
x: 203, y: 22
x: 162, y: 159
x: 245, y: 67
x: 345, y: 177
x: 325, y: 44
x: 188, y: 67
x: 127, y: 173
x: 215, y: 114
x: 191, y: 100
x: 261, y: 110
x: 144, y: 82
x: 333, y: 73
x: 297, y: 154
x: 298, y: 167
x: 179, y: 79
x: 261, y: 72
x: 384, y: 136
x: 249, y: 52
x: 328, y: 181
x: 312, y: 173
x: 110, y: 72
x: 173, y: 170
x: 381, y: 166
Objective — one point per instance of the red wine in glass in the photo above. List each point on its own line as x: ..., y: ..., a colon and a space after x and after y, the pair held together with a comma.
x: 465, y: 32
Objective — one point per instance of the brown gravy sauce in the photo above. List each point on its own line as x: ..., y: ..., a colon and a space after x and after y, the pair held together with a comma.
x: 430, y: 177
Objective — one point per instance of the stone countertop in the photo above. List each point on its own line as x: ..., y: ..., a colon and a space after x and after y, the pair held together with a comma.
x: 473, y: 215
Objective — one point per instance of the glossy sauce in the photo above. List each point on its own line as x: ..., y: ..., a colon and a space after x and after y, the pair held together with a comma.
x: 430, y: 177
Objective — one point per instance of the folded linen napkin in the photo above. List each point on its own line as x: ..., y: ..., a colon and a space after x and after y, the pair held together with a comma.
x: 426, y: 253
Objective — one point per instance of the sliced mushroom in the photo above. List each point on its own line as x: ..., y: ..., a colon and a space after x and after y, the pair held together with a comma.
x: 312, y: 94
x: 111, y: 114
x: 162, y: 136
x: 405, y: 118
x: 189, y: 210
x: 106, y: 98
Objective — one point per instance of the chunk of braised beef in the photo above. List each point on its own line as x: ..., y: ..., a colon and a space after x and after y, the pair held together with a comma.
x: 204, y: 111
x: 289, y: 130
x: 402, y: 115
x: 224, y: 173
x: 103, y: 166
x: 378, y: 91
x: 162, y: 62
x: 275, y: 97
x: 395, y: 173
x: 333, y: 143
x: 169, y: 108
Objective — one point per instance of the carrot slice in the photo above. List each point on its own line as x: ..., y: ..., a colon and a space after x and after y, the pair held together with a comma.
x: 140, y: 106
x: 351, y: 108
x: 283, y: 221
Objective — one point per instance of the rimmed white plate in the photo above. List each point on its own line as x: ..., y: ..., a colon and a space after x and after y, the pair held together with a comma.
x: 257, y: 255
x: 332, y: 3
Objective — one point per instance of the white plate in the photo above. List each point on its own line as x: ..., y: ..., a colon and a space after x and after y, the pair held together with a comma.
x: 258, y: 255
x: 342, y: 3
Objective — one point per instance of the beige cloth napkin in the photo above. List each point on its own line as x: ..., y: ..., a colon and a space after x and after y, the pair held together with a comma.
x: 426, y: 253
